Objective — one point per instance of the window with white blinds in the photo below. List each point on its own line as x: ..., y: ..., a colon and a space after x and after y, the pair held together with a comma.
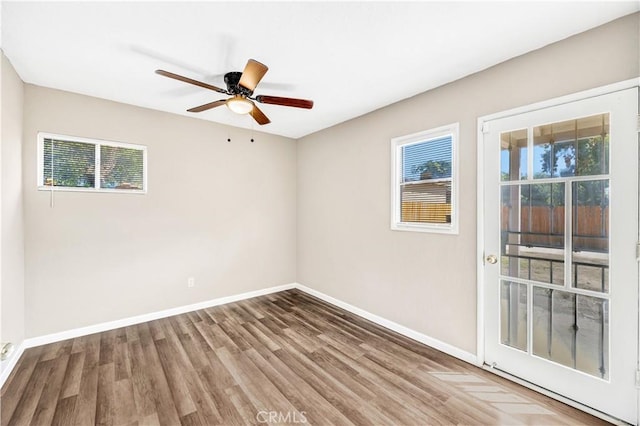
x: 424, y: 187
x: 82, y: 164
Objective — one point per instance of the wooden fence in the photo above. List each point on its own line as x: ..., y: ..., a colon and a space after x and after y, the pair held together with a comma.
x: 416, y: 211
x: 539, y: 225
x: 544, y: 226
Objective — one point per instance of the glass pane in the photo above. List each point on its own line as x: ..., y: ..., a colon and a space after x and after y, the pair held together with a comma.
x: 427, y: 160
x: 121, y: 168
x: 557, y: 273
x: 426, y: 202
x: 514, y: 266
x: 592, y: 156
x: 69, y: 164
x: 591, y: 235
x: 532, y: 230
x: 513, y: 155
x: 572, y: 148
x: 542, y: 331
x: 593, y: 336
x: 572, y: 330
x: 513, y: 315
x: 552, y: 157
x: 553, y: 323
x: 543, y: 152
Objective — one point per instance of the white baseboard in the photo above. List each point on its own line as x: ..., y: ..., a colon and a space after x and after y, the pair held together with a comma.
x: 7, y: 366
x: 111, y: 325
x: 405, y: 331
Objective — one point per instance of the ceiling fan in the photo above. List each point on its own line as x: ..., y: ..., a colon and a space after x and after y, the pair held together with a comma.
x: 240, y: 86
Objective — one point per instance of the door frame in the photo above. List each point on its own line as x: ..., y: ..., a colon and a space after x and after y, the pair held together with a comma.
x: 480, y: 237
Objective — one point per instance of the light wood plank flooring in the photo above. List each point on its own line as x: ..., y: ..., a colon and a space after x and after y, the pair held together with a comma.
x: 285, y: 358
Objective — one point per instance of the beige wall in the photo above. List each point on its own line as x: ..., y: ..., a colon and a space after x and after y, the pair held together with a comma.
x: 224, y: 213
x: 427, y: 282
x: 11, y: 213
x: 230, y: 214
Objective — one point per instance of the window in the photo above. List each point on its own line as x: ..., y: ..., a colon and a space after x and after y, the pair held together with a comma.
x: 79, y: 164
x: 424, y: 181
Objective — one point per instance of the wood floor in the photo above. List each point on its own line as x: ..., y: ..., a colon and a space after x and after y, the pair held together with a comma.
x: 285, y: 358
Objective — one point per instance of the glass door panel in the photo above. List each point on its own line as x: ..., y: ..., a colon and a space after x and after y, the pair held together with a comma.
x: 532, y: 232
x: 561, y: 299
x: 513, y: 315
x: 590, y: 236
x: 578, y: 147
x: 572, y: 330
x: 513, y: 155
x: 568, y: 328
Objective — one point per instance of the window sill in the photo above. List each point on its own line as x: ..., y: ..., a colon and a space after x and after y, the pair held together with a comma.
x: 428, y: 228
x: 102, y: 190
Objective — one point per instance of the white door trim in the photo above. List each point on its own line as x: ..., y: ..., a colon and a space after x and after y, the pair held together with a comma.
x: 578, y: 96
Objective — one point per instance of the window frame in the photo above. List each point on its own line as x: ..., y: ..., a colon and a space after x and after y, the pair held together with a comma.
x: 97, y: 144
x: 425, y: 136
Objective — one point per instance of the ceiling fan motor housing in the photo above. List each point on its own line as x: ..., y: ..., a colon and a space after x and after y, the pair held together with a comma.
x: 232, y: 79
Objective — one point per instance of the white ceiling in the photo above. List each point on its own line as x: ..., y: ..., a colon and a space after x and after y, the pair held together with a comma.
x: 350, y: 58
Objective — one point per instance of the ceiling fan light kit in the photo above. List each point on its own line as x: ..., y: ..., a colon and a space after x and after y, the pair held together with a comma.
x: 239, y: 105
x: 240, y: 85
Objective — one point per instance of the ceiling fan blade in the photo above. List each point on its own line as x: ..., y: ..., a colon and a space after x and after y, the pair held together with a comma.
x: 259, y: 116
x: 190, y: 81
x: 291, y: 102
x: 252, y: 74
x: 208, y: 106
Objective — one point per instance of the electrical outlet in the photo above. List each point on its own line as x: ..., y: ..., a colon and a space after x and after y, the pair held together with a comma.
x: 191, y: 282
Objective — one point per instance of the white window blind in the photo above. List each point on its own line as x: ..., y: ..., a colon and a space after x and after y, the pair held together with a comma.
x: 121, y: 168
x: 424, y: 181
x: 69, y: 164
x: 73, y: 163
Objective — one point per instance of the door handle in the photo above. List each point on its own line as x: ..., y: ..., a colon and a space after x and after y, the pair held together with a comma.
x: 492, y: 259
